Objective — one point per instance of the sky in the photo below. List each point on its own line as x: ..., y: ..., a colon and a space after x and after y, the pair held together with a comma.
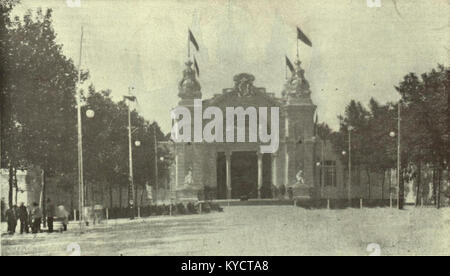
x: 358, y: 52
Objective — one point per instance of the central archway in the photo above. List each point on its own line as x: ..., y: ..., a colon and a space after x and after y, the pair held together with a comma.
x: 244, y: 174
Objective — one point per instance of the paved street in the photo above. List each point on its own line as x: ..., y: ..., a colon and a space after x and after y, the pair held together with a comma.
x: 254, y: 230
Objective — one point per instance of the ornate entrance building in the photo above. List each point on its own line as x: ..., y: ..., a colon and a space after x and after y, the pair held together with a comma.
x: 235, y: 170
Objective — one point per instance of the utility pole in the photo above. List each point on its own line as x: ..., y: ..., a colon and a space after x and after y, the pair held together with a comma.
x: 156, y: 163
x: 399, y: 186
x: 131, y: 178
x: 322, y: 166
x: 80, y: 139
x: 350, y: 128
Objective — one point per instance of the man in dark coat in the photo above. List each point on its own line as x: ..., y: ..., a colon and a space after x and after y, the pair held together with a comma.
x: 50, y: 211
x: 23, y: 216
x: 11, y: 218
x: 3, y: 209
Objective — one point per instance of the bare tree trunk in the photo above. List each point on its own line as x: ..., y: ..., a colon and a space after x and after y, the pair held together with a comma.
x: 401, y: 188
x: 382, y: 185
x: 16, y: 186
x: 43, y: 199
x: 11, y: 186
x: 434, y: 187
x: 120, y: 196
x: 72, y: 194
x: 368, y: 184
x: 390, y: 183
x: 136, y: 196
x: 419, y: 183
x: 438, y: 192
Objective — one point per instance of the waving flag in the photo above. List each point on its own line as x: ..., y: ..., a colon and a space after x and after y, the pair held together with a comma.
x: 193, y: 41
x: 289, y: 65
x: 301, y: 36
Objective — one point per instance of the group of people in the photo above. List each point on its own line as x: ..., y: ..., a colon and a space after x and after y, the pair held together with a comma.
x: 32, y: 216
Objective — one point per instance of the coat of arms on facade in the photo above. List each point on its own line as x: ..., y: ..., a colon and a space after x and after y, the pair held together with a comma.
x: 243, y: 85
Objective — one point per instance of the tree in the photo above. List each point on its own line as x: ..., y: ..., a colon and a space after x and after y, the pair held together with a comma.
x: 38, y: 100
x: 426, y: 120
x: 424, y: 131
x: 106, y: 146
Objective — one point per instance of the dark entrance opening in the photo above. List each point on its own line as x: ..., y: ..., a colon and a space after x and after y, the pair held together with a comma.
x: 244, y: 174
x: 221, y: 176
x: 267, y: 187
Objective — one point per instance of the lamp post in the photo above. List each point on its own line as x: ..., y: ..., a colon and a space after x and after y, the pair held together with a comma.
x: 131, y: 190
x: 392, y: 134
x: 350, y: 129
x: 156, y: 164
x: 89, y: 114
x: 80, y: 139
x: 399, y: 192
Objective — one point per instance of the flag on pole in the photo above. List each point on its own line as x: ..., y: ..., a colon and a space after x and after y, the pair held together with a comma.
x: 301, y: 36
x: 193, y: 41
x: 196, y: 67
x: 289, y: 65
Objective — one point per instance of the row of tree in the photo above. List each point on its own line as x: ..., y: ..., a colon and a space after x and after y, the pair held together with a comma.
x: 424, y: 131
x: 39, y: 119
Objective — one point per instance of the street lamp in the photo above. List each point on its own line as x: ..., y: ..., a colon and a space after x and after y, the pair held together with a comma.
x: 137, y: 143
x: 90, y: 113
x: 130, y: 152
x: 350, y: 129
x: 392, y: 134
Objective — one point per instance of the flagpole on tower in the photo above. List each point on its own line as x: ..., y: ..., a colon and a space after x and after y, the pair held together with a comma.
x: 189, y: 45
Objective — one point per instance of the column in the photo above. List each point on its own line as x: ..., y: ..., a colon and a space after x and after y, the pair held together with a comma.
x: 286, y: 167
x: 274, y: 170
x: 228, y: 168
x: 260, y: 173
x: 176, y: 169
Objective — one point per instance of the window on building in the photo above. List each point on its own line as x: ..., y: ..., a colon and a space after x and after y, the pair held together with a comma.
x: 329, y: 173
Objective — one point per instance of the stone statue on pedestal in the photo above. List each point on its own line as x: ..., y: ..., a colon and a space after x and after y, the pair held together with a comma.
x: 188, y: 180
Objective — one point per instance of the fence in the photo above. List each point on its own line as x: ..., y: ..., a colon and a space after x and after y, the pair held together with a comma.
x: 157, y: 210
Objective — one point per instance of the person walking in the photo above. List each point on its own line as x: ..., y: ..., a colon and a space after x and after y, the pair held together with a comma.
x: 11, y: 219
x: 3, y: 209
x: 37, y: 218
x: 23, y: 217
x: 50, y: 211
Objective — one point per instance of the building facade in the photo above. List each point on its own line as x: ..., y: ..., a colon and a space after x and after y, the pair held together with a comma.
x: 239, y: 169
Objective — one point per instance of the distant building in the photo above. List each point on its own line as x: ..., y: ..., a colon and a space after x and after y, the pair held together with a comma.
x: 24, y: 191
